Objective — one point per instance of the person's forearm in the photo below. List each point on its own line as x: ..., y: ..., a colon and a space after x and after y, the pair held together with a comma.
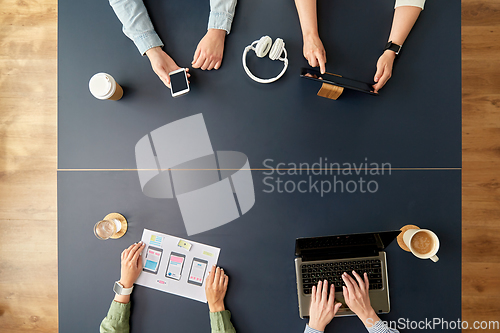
x: 404, y: 19
x: 124, y: 299
x: 217, y: 307
x: 369, y: 317
x: 307, y: 17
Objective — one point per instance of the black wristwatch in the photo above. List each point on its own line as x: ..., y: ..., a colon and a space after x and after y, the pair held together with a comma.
x: 393, y: 47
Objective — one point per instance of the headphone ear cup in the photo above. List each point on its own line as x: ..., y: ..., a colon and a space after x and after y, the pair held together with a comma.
x: 263, y: 46
x: 277, y: 49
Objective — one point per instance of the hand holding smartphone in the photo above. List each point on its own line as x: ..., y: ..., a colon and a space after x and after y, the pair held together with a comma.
x: 179, y: 84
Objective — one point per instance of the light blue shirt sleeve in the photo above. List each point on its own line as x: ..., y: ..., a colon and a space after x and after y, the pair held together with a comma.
x: 311, y: 330
x: 138, y: 26
x: 378, y: 327
x: 221, y: 14
x: 381, y: 327
x: 136, y: 23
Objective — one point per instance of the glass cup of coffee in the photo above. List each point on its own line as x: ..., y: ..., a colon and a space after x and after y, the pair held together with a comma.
x: 105, y: 229
x: 423, y: 243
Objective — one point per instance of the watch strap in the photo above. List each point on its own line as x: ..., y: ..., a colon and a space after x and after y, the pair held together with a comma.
x: 393, y: 47
x: 119, y: 289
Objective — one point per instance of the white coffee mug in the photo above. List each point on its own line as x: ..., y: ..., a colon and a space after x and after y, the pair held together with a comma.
x: 408, y: 236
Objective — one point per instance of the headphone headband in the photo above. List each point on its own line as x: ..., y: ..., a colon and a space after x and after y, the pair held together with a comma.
x: 261, y: 48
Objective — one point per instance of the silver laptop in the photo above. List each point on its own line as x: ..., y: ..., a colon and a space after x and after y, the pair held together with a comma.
x: 326, y: 258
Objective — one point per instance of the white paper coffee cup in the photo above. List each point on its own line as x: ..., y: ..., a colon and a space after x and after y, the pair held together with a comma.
x: 104, y: 86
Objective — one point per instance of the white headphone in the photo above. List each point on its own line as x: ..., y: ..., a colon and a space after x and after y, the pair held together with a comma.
x: 261, y: 49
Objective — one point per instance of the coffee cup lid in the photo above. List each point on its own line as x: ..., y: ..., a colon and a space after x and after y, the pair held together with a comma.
x: 102, y: 85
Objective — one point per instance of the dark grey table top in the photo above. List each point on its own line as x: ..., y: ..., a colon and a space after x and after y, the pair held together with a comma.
x: 257, y: 250
x: 414, y: 123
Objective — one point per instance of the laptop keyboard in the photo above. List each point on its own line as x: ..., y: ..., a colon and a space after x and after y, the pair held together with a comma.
x: 332, y: 271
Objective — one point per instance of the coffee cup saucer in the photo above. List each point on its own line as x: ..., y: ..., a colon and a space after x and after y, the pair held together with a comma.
x: 401, y: 243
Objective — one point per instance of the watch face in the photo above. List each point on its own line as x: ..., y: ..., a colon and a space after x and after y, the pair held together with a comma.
x: 393, y: 47
x: 117, y: 288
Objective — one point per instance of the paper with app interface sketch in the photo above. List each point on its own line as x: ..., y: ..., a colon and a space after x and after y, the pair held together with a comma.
x: 175, y: 265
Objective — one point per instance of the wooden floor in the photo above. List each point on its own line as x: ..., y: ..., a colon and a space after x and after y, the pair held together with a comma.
x: 28, y: 155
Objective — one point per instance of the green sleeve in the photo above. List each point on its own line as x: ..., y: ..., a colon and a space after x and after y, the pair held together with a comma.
x: 221, y: 322
x: 117, y: 320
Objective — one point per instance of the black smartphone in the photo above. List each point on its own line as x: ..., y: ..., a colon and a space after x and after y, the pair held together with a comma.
x: 341, y: 81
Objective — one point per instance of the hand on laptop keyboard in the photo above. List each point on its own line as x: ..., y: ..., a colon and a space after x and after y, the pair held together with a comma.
x: 323, y: 307
x: 357, y: 298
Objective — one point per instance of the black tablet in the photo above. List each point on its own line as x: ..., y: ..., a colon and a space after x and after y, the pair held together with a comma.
x: 341, y: 81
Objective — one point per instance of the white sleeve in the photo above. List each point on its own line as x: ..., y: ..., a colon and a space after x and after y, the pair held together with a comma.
x: 415, y: 3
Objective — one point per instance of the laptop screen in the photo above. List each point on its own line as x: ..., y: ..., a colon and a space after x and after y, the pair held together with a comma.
x: 344, y: 244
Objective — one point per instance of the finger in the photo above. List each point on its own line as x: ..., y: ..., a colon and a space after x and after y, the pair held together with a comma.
x: 349, y: 283
x: 331, y: 298
x: 211, y: 66
x: 226, y: 281
x: 345, y: 291
x: 367, y: 284
x: 126, y: 251
x: 211, y: 275
x: 379, y: 73
x: 312, y: 61
x: 221, y: 279
x: 313, y: 294
x: 196, y: 55
x: 137, y: 253
x: 139, y: 261
x: 205, y: 64
x: 318, y: 291
x: 384, y: 79
x: 199, y: 61
x: 217, y: 65
x: 322, y: 61
x: 336, y: 307
x: 361, y: 283
x: 217, y: 275
x: 165, y: 78
x: 324, y: 293
x: 133, y: 250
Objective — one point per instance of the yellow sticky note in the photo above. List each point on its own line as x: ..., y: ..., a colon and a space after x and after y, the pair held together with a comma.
x: 208, y: 254
x: 184, y: 244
